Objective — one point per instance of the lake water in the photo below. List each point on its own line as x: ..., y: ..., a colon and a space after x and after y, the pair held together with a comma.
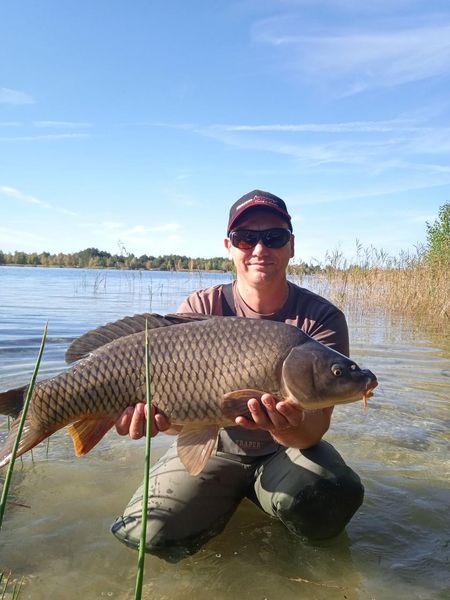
x: 397, y: 546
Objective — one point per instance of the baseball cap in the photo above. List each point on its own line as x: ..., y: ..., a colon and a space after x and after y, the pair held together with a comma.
x: 258, y: 198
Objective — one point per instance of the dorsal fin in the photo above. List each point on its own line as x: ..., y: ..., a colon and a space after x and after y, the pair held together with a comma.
x: 95, y: 338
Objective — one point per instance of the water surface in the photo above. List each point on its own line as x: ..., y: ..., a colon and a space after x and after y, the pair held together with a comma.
x: 397, y: 545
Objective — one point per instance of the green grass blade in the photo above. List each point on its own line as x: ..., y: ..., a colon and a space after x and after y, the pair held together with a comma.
x: 148, y: 447
x: 9, y: 473
x: 3, y: 594
x: 17, y: 588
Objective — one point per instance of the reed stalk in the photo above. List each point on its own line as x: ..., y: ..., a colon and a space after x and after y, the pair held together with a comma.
x: 408, y: 284
x: 26, y: 404
x: 148, y: 447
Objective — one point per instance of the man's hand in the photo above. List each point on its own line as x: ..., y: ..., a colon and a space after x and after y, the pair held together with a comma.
x: 132, y: 421
x: 271, y: 415
x: 288, y: 424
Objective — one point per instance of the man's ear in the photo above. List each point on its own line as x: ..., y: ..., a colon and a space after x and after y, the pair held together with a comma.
x: 227, y: 244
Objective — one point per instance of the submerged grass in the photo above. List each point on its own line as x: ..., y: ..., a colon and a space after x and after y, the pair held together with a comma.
x: 9, y: 472
x: 148, y: 445
x: 12, y: 588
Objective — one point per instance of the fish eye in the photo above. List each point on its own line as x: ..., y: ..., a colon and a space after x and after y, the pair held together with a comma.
x: 353, y: 367
x: 336, y: 370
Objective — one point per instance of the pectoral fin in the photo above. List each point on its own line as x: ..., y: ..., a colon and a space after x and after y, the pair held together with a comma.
x: 87, y: 432
x: 195, y: 445
x: 234, y: 404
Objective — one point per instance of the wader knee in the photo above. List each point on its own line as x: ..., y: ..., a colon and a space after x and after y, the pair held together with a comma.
x: 323, y: 509
x: 163, y: 538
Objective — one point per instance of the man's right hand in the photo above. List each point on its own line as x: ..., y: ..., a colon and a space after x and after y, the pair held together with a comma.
x: 132, y: 422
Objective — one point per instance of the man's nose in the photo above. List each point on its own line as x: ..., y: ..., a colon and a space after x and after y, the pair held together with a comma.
x: 259, y: 248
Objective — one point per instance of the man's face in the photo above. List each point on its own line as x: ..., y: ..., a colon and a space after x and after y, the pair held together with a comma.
x: 260, y: 264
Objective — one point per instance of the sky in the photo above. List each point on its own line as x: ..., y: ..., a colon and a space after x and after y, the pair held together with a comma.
x: 137, y: 124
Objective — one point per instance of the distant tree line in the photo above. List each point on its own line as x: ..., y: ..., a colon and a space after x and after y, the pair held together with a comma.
x: 92, y: 258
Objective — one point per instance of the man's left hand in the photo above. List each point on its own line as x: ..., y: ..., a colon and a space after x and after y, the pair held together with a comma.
x: 271, y: 415
x: 288, y: 424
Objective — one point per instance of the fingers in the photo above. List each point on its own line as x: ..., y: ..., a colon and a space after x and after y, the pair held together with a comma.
x: 161, y: 423
x: 271, y: 415
x: 123, y: 422
x: 137, y: 423
x: 132, y: 422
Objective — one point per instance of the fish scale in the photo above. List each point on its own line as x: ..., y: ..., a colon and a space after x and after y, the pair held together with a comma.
x: 203, y: 371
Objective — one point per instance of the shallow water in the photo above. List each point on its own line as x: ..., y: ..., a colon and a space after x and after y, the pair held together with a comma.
x: 397, y: 546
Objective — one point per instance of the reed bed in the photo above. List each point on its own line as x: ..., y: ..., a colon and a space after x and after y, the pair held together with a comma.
x: 12, y: 588
x: 9, y: 588
x: 408, y: 284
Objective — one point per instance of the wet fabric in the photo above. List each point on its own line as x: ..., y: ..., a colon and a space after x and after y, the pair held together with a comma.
x: 313, y: 492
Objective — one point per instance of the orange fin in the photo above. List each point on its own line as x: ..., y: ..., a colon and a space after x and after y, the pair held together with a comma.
x: 195, y: 445
x: 87, y: 432
x: 29, y: 439
x: 234, y: 404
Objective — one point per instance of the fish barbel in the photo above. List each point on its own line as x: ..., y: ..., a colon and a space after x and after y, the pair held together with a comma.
x: 203, y: 372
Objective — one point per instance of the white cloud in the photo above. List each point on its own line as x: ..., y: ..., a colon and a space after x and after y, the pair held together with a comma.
x: 9, y: 96
x: 62, y: 124
x: 377, y: 190
x: 18, y: 195
x: 377, y: 146
x: 343, y: 127
x: 51, y: 136
x: 356, y: 60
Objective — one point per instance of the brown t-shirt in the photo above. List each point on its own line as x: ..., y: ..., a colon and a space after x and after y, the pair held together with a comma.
x: 310, y: 312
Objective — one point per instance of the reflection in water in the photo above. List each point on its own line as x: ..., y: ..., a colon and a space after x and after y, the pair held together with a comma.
x: 395, y: 547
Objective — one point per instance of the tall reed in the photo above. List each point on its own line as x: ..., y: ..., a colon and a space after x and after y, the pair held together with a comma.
x: 12, y: 588
x: 408, y: 284
x: 148, y: 446
x: 26, y: 404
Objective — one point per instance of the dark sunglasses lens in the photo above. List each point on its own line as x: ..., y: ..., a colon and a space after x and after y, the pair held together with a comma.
x: 276, y: 238
x: 244, y: 240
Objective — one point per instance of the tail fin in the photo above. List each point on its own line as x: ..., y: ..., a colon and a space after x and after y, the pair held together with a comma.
x: 11, y: 402
x: 29, y: 439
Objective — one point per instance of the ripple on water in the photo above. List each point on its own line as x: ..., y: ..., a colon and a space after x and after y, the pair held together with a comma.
x: 395, y: 547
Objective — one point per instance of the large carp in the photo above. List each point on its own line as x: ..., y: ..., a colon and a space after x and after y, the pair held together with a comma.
x: 203, y: 372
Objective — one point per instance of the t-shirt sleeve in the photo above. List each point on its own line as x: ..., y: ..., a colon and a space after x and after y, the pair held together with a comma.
x: 203, y: 302
x: 332, y: 331
x: 192, y: 304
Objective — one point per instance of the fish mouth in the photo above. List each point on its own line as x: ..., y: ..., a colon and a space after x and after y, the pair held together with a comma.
x: 368, y: 390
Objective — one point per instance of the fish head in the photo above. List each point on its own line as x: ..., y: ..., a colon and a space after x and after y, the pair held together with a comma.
x: 316, y: 376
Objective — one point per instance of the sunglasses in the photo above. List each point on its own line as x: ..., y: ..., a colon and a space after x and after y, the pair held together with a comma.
x: 245, y: 239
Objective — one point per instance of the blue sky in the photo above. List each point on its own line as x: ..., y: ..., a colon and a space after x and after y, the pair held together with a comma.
x: 140, y: 123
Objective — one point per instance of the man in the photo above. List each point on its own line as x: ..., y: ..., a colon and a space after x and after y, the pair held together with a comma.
x: 278, y: 459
